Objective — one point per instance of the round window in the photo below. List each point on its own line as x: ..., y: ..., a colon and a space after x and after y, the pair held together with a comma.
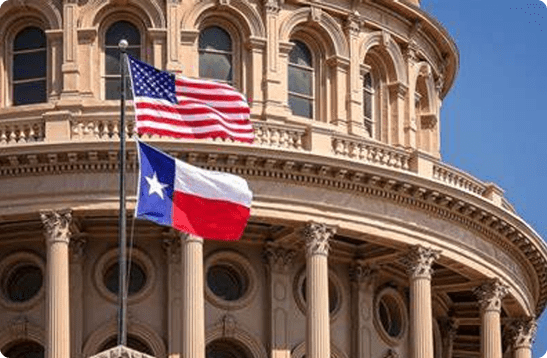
x: 137, y: 278
x: 22, y: 282
x: 132, y: 342
x: 390, y: 315
x: 226, y: 282
x: 26, y: 349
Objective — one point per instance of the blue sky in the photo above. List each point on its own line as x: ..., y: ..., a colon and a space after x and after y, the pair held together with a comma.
x: 494, y: 119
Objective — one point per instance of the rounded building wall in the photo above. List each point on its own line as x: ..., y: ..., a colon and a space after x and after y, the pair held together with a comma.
x: 345, y: 102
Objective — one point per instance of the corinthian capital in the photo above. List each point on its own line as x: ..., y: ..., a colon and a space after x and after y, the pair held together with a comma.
x: 490, y: 295
x: 522, y: 332
x: 317, y: 238
x: 419, y: 261
x: 279, y: 259
x: 57, y: 225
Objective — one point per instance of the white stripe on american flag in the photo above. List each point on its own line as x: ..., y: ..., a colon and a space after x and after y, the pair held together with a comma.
x: 192, y: 130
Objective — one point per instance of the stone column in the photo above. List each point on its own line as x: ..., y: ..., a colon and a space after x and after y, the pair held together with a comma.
x: 171, y: 245
x: 193, y: 317
x: 278, y: 264
x: 419, y: 261
x: 490, y: 295
x: 317, y: 290
x: 522, y: 333
x: 77, y: 254
x: 57, y: 234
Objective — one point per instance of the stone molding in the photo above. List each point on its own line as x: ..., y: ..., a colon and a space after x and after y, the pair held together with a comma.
x: 121, y: 352
x: 490, y: 295
x: 317, y: 238
x: 522, y: 332
x: 419, y: 261
x: 363, y: 274
x: 77, y: 248
x: 57, y: 225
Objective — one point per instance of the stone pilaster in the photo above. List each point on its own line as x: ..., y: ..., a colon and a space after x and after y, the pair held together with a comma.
x: 57, y: 232
x: 449, y: 329
x: 362, y: 280
x: 490, y: 296
x: 193, y: 317
x: 172, y: 247
x: 77, y: 255
x: 419, y: 261
x: 70, y: 48
x: 278, y: 264
x: 317, y: 288
x: 522, y: 333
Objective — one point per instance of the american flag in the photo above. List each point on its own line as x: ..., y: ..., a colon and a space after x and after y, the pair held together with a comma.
x: 187, y: 108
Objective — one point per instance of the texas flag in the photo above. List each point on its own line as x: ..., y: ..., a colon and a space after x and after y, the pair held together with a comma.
x: 209, y: 204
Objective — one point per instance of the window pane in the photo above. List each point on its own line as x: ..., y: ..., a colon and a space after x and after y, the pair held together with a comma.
x: 113, y: 88
x: 367, y: 104
x: 300, y: 106
x: 215, y: 66
x: 300, y: 54
x: 122, y: 30
x: 29, y: 65
x: 300, y: 81
x: 367, y: 82
x: 215, y: 38
x: 26, y: 349
x: 30, y: 92
x: 29, y: 38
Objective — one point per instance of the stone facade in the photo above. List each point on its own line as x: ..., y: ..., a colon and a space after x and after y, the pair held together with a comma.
x: 362, y: 242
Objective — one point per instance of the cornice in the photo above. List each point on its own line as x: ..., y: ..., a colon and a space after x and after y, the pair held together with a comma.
x: 499, y: 226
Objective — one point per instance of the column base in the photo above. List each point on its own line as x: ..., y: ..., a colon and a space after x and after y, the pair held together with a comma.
x: 121, y: 352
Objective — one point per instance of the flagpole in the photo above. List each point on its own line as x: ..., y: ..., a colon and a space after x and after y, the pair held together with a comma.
x: 122, y: 241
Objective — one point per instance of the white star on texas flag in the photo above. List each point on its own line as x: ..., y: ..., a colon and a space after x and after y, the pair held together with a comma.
x: 155, y: 186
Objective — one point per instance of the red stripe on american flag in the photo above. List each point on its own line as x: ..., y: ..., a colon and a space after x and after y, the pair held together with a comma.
x: 190, y: 111
x: 211, y: 134
x: 190, y: 124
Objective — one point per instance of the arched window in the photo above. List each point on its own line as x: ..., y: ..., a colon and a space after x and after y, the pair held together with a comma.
x: 215, y: 55
x: 117, y: 31
x: 25, y: 349
x: 222, y: 348
x: 29, y: 67
x: 368, y: 104
x: 133, y: 342
x: 301, y: 80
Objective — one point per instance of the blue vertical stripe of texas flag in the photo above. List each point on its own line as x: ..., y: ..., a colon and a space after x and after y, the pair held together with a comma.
x: 152, y: 207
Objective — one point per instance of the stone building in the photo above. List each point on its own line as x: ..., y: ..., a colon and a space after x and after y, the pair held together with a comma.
x: 406, y: 255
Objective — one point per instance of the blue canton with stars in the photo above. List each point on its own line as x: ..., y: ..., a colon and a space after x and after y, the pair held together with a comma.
x: 151, y: 82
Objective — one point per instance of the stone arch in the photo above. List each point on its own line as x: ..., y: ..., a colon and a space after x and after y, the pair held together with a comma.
x: 300, y: 351
x: 51, y: 15
x: 22, y: 330
x: 148, y: 11
x: 138, y: 329
x: 230, y: 329
x: 393, y: 56
x: 329, y: 30
x: 236, y: 11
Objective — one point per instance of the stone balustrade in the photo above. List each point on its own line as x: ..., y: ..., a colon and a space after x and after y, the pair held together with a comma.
x: 98, y: 129
x: 18, y: 131
x: 370, y: 152
x: 457, y: 178
x: 279, y: 136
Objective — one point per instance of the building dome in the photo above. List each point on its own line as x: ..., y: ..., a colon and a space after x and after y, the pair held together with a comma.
x: 362, y: 242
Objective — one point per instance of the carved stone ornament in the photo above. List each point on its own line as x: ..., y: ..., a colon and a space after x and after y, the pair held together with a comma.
x: 229, y: 325
x: 19, y: 327
x: 363, y: 274
x: 279, y: 259
x: 522, y: 332
x: 271, y: 6
x: 317, y: 238
x: 315, y: 14
x: 419, y: 261
x: 352, y: 25
x: 449, y: 328
x: 172, y: 246
x: 490, y: 295
x: 77, y: 248
x: 391, y: 353
x: 57, y: 225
